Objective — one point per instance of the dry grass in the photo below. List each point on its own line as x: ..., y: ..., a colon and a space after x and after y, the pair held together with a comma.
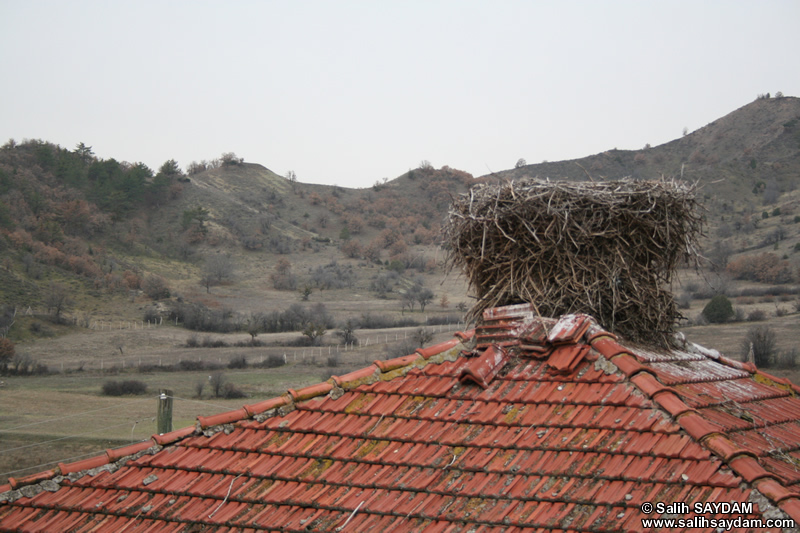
x: 61, y: 417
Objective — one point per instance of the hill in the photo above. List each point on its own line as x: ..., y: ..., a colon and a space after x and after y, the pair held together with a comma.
x: 93, y: 240
x: 754, y: 147
x: 113, y: 235
x: 95, y: 253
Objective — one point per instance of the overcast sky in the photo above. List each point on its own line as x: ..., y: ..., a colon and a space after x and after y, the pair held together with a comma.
x: 348, y: 92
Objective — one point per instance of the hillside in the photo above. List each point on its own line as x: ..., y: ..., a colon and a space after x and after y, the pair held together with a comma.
x: 107, y: 232
x: 88, y: 240
x: 113, y: 270
x: 751, y: 147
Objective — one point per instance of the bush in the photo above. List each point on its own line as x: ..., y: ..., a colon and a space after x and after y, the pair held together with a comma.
x: 764, y: 267
x: 123, y: 388
x: 7, y: 352
x: 326, y: 374
x: 787, y: 358
x: 275, y: 360
x: 756, y: 315
x: 763, y: 342
x: 301, y: 342
x: 239, y: 361
x: 437, y: 320
x: 718, y: 310
x: 200, y: 318
x: 151, y: 315
x: 189, y: 365
x: 155, y: 287
x: 25, y: 365
x: 208, y: 342
x: 370, y: 321
x: 684, y: 301
x: 249, y: 343
x: 230, y: 392
x: 401, y: 349
x: 333, y: 276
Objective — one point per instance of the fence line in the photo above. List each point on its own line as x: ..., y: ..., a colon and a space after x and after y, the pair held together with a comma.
x: 370, y: 344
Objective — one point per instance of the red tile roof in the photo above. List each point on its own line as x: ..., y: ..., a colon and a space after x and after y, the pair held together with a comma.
x: 534, y: 424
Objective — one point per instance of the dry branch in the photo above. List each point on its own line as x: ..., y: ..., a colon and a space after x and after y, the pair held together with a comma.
x: 608, y: 249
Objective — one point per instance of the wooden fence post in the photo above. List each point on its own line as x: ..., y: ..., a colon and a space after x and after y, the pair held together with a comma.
x: 164, y: 411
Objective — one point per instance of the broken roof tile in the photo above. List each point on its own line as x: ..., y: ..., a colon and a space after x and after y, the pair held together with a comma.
x: 483, y: 368
x: 565, y: 358
x: 569, y: 329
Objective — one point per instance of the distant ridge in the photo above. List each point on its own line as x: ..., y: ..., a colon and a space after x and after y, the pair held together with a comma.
x: 759, y: 142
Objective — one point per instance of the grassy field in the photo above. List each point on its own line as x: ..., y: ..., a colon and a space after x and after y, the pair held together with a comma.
x: 64, y: 416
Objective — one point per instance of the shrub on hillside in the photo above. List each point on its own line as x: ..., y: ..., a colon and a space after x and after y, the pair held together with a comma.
x: 155, y: 287
x: 200, y: 318
x: 718, y: 310
x: 764, y: 267
x: 124, y: 388
x: 6, y: 353
x: 333, y: 276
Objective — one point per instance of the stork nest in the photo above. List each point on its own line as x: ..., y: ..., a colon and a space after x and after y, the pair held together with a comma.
x: 608, y: 249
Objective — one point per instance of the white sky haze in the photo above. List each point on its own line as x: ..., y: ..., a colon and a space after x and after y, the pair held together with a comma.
x: 350, y: 92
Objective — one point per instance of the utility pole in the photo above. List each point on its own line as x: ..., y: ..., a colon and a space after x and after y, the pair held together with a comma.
x: 164, y: 420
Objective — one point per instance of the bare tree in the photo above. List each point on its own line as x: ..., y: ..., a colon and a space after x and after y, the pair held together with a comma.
x: 762, y: 342
x: 217, y: 383
x: 348, y: 332
x: 7, y: 318
x: 57, y: 300
x: 422, y: 337
x: 119, y: 343
x: 424, y: 296
x: 314, y: 332
x: 255, y: 325
x: 219, y: 268
x: 292, y: 177
x: 230, y: 158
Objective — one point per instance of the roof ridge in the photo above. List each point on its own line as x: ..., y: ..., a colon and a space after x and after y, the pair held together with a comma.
x: 378, y: 370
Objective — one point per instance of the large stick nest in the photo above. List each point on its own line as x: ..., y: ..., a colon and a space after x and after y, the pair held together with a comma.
x: 608, y: 249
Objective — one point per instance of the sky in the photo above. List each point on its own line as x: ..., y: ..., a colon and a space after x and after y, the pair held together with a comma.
x: 352, y: 92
